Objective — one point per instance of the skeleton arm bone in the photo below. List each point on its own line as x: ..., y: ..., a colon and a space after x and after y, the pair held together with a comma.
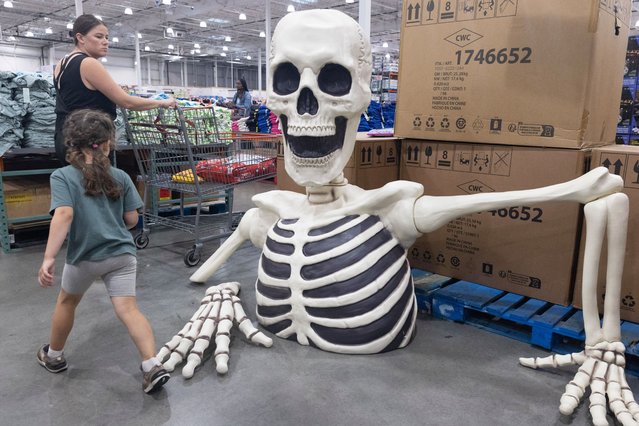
x: 253, y: 226
x: 433, y: 212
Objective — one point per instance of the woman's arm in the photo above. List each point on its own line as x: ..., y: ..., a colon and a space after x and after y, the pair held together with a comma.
x: 58, y: 230
x: 96, y: 76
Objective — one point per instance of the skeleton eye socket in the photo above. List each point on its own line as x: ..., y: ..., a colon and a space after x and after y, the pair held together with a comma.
x: 334, y: 80
x: 286, y: 79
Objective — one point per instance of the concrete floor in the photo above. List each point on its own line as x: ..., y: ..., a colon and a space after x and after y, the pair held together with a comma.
x: 451, y: 374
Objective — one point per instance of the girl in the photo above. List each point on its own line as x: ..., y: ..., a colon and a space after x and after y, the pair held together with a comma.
x: 95, y: 204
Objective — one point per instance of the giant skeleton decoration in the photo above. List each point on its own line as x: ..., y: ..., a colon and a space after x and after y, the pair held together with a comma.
x: 333, y: 271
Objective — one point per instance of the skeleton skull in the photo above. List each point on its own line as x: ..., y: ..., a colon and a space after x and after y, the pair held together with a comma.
x: 320, y: 74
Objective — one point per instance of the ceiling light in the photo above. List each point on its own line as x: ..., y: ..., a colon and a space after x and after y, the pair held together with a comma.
x: 115, y: 40
x: 69, y: 26
x: 262, y: 34
x: 48, y: 31
x: 196, y: 46
x: 169, y: 30
x: 171, y: 47
x: 98, y: 16
x: 222, y: 54
x: 350, y: 1
x: 8, y: 3
x: 28, y: 34
x: 387, y: 56
x: 384, y: 44
x: 290, y: 8
x: 636, y: 23
x: 224, y: 48
x: 242, y: 17
x: 11, y: 38
x: 197, y: 50
x: 248, y: 57
x: 227, y: 38
x: 139, y: 35
x: 192, y: 51
x: 203, y: 24
x: 128, y: 11
x: 147, y: 49
x: 103, y: 59
x: 166, y: 2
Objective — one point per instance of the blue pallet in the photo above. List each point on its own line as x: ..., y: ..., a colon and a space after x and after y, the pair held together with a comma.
x: 426, y: 284
x: 553, y: 327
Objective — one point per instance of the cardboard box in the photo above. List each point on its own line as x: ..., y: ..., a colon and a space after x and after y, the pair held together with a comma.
x: 27, y: 196
x: 529, y: 249
x: 521, y: 72
x: 374, y: 162
x: 622, y: 160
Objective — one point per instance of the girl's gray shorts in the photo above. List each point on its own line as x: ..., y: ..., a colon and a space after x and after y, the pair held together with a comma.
x: 118, y: 274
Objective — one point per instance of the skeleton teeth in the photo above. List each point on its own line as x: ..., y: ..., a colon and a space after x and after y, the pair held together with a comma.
x: 315, y: 130
x: 313, y: 162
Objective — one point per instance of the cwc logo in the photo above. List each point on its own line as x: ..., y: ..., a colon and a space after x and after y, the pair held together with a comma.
x: 463, y: 37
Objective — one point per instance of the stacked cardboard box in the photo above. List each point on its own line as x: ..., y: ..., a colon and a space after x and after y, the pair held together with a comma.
x: 27, y: 197
x: 520, y: 89
x: 624, y: 161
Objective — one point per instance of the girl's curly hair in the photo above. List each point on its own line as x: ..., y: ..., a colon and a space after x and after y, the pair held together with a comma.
x: 85, y: 130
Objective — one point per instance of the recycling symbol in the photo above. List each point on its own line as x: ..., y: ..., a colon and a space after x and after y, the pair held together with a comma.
x: 440, y: 258
x: 628, y: 301
x: 430, y: 122
x: 427, y: 255
x: 445, y: 123
x: 414, y: 252
x: 417, y: 122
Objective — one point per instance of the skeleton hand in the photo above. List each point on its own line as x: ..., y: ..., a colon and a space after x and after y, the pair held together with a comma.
x: 217, y: 311
x: 602, y: 368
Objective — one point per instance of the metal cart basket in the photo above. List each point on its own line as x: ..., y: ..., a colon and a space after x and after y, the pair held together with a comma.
x: 182, y: 151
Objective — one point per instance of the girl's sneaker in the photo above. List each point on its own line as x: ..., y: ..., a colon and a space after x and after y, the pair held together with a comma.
x: 54, y: 365
x: 155, y: 379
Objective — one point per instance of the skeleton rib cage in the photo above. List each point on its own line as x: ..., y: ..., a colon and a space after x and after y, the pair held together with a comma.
x: 183, y: 152
x: 343, y: 286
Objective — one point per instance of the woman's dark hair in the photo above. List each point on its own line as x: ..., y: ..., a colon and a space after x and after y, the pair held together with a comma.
x: 243, y: 83
x: 87, y: 129
x: 83, y: 24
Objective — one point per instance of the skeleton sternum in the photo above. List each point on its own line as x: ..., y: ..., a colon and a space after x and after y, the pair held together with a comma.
x: 342, y: 284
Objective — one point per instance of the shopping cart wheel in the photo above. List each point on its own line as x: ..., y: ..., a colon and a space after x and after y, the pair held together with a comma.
x: 141, y: 240
x: 192, y: 257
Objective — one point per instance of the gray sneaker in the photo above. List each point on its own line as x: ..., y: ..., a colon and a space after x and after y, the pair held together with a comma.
x: 54, y: 365
x: 155, y: 379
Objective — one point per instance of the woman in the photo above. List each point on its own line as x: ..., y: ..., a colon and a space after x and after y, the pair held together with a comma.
x: 82, y: 82
x: 95, y: 205
x: 241, y: 100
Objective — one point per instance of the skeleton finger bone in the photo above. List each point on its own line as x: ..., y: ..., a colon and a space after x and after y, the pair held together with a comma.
x: 555, y: 360
x: 222, y: 336
x: 183, y: 348
x: 628, y: 397
x: 576, y: 388
x: 246, y: 326
x: 203, y: 339
x: 598, y: 394
x: 168, y: 347
x: 617, y: 403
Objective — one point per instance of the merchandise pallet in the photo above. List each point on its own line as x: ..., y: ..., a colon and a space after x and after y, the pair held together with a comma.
x: 557, y: 328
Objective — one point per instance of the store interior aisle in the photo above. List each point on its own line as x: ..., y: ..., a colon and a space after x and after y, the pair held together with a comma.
x: 451, y: 374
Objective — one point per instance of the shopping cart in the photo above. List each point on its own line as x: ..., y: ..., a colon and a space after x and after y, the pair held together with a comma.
x: 181, y: 151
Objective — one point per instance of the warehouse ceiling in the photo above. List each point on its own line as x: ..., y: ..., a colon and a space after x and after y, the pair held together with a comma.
x: 181, y: 24
x: 43, y: 23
